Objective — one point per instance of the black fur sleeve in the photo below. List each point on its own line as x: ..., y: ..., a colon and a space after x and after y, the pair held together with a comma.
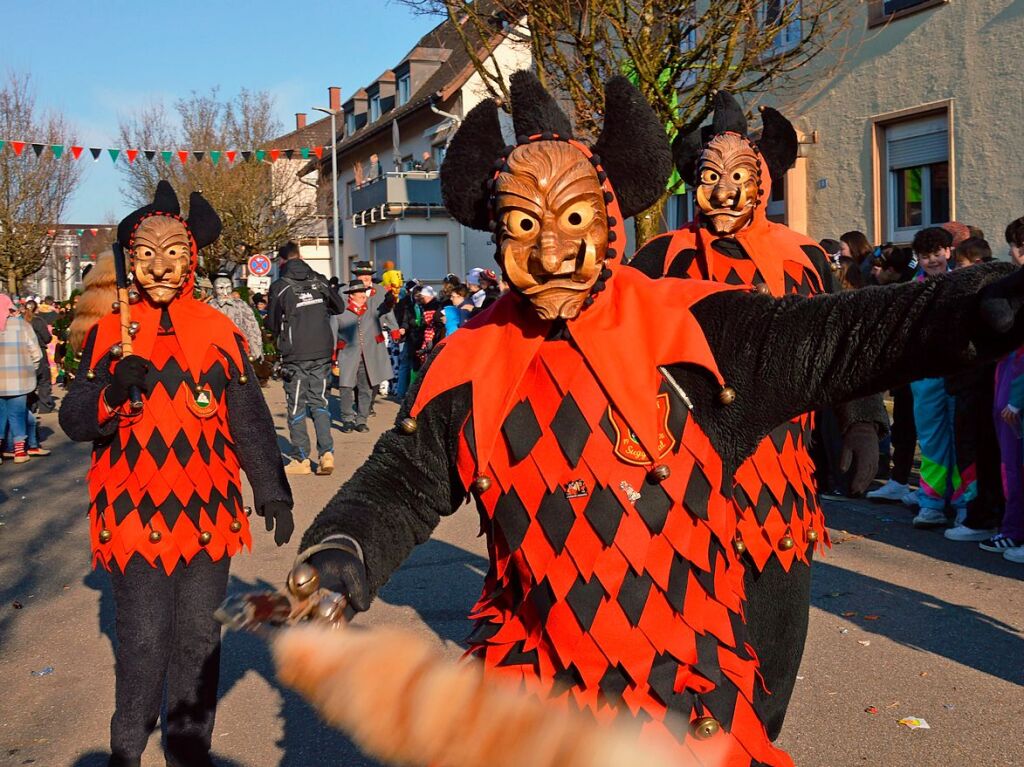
x: 79, y: 410
x: 397, y: 497
x: 650, y: 259
x: 789, y: 356
x: 254, y: 437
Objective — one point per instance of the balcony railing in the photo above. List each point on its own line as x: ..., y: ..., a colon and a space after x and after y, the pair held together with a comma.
x: 393, y: 195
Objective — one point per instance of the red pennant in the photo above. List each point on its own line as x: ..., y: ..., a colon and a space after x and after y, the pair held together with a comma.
x: 230, y: 155
x: 18, y: 147
x: 274, y: 154
x: 51, y: 232
x: 94, y: 231
x: 318, y: 151
x: 131, y: 154
x: 183, y: 156
x: 76, y: 151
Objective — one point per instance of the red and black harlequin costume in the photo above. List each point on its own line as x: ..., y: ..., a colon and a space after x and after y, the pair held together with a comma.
x: 601, y: 451
x: 775, y: 493
x: 166, y: 513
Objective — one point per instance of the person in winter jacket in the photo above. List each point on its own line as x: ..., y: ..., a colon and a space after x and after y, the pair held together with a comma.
x: 301, y: 304
x: 425, y: 329
x: 19, y: 356
x: 239, y: 312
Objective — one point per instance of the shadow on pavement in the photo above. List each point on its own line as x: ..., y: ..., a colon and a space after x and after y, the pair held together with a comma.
x: 99, y: 759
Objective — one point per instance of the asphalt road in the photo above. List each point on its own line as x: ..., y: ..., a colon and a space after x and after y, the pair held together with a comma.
x: 902, y: 621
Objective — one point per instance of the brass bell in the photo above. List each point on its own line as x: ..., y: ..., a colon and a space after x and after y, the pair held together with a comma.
x: 408, y: 425
x: 331, y: 608
x: 90, y: 375
x: 235, y: 526
x: 482, y: 483
x: 133, y: 328
x: 727, y: 395
x: 155, y: 537
x: 116, y: 306
x: 247, y: 510
x: 117, y: 351
x: 303, y: 580
x: 706, y: 727
x: 812, y: 535
x: 763, y: 289
x: 134, y: 296
x: 786, y: 542
x: 205, y: 537
x: 105, y: 535
x: 243, y: 379
x: 659, y: 473
x: 739, y: 545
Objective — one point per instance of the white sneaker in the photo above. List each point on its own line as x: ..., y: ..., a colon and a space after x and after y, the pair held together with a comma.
x: 999, y: 543
x: 890, y: 491
x: 930, y: 518
x: 910, y: 498
x: 964, y: 533
x: 1015, y: 555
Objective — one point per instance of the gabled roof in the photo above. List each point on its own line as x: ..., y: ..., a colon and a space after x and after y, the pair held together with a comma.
x: 316, y: 133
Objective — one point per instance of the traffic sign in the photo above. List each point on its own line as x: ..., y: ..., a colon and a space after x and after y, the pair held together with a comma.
x: 259, y: 265
x: 258, y: 284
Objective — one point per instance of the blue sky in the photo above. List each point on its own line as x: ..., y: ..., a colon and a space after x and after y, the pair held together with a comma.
x: 98, y: 60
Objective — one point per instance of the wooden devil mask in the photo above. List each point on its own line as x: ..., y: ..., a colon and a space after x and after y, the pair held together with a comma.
x: 555, y: 205
x: 163, y: 246
x: 730, y: 173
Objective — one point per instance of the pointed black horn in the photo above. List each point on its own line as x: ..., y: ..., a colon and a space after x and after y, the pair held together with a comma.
x: 728, y: 115
x: 778, y: 144
x: 203, y: 221
x: 164, y: 201
x: 633, y: 147
x: 469, y: 164
x: 534, y: 110
x: 686, y: 150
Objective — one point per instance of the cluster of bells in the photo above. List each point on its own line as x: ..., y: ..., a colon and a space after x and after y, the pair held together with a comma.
x: 156, y: 536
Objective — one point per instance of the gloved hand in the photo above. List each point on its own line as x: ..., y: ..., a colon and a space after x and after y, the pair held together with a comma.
x: 278, y: 517
x: 343, y: 571
x: 860, y: 445
x: 130, y: 371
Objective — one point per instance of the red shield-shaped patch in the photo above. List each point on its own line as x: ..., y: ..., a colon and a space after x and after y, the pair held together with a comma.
x: 628, y: 447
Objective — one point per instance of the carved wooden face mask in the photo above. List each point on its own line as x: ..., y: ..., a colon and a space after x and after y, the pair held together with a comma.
x: 161, y: 255
x: 552, y: 226
x: 728, y: 183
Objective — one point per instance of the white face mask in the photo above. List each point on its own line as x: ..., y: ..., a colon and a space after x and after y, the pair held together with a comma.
x: 222, y: 289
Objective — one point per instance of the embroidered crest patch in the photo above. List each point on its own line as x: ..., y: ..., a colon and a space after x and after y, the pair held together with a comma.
x: 202, y: 402
x: 628, y: 447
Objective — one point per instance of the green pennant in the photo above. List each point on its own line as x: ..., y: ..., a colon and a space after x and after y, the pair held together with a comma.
x: 304, y: 152
x: 260, y: 154
x: 167, y: 156
x: 57, y: 149
x: 114, y: 153
x: 214, y: 156
x: 2, y: 143
x: 79, y: 232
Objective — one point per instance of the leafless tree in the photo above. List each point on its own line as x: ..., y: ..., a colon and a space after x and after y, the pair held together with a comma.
x: 33, y: 190
x: 259, y: 212
x: 677, y: 52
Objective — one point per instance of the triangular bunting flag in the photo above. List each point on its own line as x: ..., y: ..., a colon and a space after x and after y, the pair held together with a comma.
x: 199, y: 156
x: 2, y: 145
x: 95, y: 152
x: 150, y: 154
x: 183, y: 156
x: 76, y: 152
x: 274, y: 154
x: 230, y: 154
x: 304, y: 153
x: 131, y: 154
x: 94, y: 231
x: 166, y: 156
x: 57, y: 149
x: 289, y: 153
x: 18, y: 147
x: 38, y: 149
x: 318, y: 151
x: 114, y: 153
x: 214, y: 156
x: 246, y: 155
x: 79, y: 232
x: 260, y: 154
x: 51, y: 232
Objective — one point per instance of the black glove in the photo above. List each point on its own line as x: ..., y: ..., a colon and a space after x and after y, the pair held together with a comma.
x: 343, y: 571
x: 130, y: 371
x: 860, y: 451
x: 1001, y: 300
x: 278, y: 517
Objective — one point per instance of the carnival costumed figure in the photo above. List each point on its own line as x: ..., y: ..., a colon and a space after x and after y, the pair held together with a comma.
x: 775, y: 496
x: 239, y: 312
x: 601, y: 446
x: 166, y: 514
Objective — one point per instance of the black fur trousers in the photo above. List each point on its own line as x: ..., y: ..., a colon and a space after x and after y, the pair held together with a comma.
x: 167, y: 640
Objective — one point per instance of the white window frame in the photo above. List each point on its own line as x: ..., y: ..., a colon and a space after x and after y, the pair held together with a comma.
x: 350, y: 123
x: 909, y: 129
x: 404, y: 89
x: 789, y: 36
x: 374, y: 107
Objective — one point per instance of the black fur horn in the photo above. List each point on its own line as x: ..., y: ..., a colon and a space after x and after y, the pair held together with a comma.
x: 534, y: 110
x: 686, y: 150
x: 469, y: 164
x: 164, y: 201
x: 633, y: 147
x: 203, y: 221
x: 728, y: 115
x: 778, y: 144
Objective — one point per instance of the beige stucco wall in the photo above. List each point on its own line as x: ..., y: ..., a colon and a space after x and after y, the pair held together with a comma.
x: 967, y: 51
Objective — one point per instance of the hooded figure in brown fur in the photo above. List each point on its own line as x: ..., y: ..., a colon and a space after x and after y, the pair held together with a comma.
x: 95, y: 302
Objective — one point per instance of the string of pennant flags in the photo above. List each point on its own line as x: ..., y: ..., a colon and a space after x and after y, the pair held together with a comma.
x: 167, y: 156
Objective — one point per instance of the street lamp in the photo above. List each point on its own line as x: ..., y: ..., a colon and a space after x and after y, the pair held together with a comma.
x: 334, y: 185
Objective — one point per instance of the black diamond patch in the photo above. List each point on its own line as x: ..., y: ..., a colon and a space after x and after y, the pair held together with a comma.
x: 171, y: 508
x: 613, y: 684
x: 707, y: 658
x: 100, y: 501
x: 680, y: 266
x: 116, y: 450
x: 584, y: 598
x: 677, y: 581
x: 788, y: 503
x: 662, y: 678
x: 604, y: 512
x: 556, y: 518
x: 157, y: 448
x: 219, y: 445
x: 182, y: 448
x: 707, y: 579
x: 608, y: 428
x: 195, y: 506
x: 146, y: 509
x: 571, y: 429
x: 516, y: 656
x: 778, y: 436
x: 765, y: 503
x: 204, y: 448
x: 122, y: 507
x: 521, y: 430
x: 569, y: 677
x: 511, y: 516
x: 132, y: 450
x: 653, y: 506
x: 483, y: 631
x: 470, y: 436
x: 216, y: 380
x: 740, y: 497
x: 733, y: 278
x: 543, y: 598
x: 171, y: 376
x: 721, y: 702
x: 633, y: 595
x: 698, y: 493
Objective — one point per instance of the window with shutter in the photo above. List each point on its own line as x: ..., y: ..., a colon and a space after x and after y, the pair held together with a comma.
x: 918, y: 189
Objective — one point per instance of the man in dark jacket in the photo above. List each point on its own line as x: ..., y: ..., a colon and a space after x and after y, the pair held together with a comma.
x: 301, y: 302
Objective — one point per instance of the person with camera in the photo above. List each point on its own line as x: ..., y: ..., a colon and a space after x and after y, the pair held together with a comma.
x: 301, y: 304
